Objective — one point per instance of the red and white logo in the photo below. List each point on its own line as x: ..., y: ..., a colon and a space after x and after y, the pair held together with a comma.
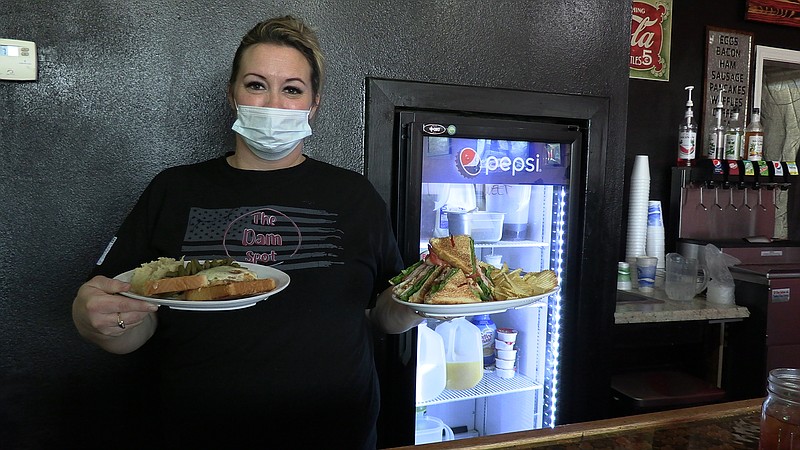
x: 469, y: 162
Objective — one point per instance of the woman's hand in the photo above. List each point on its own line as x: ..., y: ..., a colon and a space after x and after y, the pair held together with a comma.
x: 391, y: 317
x: 114, y: 322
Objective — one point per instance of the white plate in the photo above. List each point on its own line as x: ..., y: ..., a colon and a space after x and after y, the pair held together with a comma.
x: 281, y: 281
x: 471, y: 309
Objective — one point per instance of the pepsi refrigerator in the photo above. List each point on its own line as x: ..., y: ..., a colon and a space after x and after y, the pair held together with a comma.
x: 523, y: 189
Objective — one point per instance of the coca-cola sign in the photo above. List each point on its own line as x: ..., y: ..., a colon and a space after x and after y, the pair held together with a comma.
x: 651, y: 33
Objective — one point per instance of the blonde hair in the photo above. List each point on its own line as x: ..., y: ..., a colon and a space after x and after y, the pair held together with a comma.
x: 290, y: 32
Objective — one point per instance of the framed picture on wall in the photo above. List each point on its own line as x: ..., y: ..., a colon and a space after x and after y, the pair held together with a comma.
x: 651, y: 37
x: 780, y: 12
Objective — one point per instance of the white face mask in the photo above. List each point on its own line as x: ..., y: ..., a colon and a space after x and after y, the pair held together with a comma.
x: 271, y: 133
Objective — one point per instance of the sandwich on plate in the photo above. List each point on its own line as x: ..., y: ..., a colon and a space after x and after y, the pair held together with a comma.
x: 448, y: 275
x: 451, y: 275
x: 219, y: 279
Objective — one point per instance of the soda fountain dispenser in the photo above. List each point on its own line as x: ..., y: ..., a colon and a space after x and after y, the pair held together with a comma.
x: 735, y: 205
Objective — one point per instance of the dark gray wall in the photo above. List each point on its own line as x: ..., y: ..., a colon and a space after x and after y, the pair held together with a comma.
x: 130, y: 87
x: 656, y: 108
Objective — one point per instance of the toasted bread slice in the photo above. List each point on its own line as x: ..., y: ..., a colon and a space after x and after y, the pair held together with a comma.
x: 452, y: 287
x: 152, y: 270
x: 158, y: 277
x: 457, y: 251
x: 416, y: 283
x: 174, y: 284
x: 430, y: 281
x: 230, y: 290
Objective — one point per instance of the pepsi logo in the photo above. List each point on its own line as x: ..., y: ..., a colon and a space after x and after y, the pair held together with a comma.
x: 469, y: 161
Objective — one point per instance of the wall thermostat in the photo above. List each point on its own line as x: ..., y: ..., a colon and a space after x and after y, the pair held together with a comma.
x: 17, y: 60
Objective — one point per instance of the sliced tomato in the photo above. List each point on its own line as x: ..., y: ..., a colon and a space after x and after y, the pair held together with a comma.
x: 433, y: 259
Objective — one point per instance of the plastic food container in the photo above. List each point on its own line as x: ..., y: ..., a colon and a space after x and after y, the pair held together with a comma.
x: 507, y: 334
x: 486, y: 226
x: 459, y: 222
x: 503, y: 345
x: 504, y: 363
x: 505, y: 373
x: 508, y: 355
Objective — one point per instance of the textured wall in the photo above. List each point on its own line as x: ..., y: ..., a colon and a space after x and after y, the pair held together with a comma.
x: 130, y: 87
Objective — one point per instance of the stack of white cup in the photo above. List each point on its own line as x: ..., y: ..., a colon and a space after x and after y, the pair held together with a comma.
x: 505, y: 360
x: 637, y: 211
x: 655, y: 233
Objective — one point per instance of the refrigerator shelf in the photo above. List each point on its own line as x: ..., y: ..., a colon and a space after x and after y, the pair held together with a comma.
x: 511, y: 244
x: 489, y: 385
x: 423, y: 245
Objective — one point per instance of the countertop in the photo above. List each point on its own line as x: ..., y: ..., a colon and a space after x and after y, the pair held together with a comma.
x: 732, y: 425
x: 637, y: 307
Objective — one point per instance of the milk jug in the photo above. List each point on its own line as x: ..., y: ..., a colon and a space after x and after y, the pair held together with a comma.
x: 431, y: 371
x: 463, y: 353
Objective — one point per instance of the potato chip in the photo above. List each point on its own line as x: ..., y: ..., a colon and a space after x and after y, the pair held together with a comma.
x: 513, y: 284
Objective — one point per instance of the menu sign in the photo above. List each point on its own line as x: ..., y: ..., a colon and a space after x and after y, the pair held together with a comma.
x: 727, y: 69
x: 651, y: 35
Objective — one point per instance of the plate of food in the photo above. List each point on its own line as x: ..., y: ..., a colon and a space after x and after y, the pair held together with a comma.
x: 471, y: 309
x: 450, y: 283
x: 203, y: 285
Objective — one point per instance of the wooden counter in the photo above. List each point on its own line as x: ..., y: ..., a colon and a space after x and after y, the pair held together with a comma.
x: 733, y: 425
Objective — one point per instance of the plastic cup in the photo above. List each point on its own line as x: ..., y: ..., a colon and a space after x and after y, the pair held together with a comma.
x: 505, y: 373
x: 637, y: 228
x: 504, y: 364
x: 654, y: 216
x: 636, y: 235
x: 503, y: 345
x: 661, y: 276
x: 508, y: 355
x: 495, y: 260
x: 646, y: 270
x: 507, y: 334
x: 641, y: 167
x: 631, y: 260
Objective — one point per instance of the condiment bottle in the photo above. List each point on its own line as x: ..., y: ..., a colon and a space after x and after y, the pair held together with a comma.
x: 715, y: 148
x: 780, y: 414
x: 754, y: 137
x: 733, y: 138
x: 488, y: 331
x: 687, y: 134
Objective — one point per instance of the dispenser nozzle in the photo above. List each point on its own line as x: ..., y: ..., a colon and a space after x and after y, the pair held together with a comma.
x: 719, y: 99
x: 689, y: 102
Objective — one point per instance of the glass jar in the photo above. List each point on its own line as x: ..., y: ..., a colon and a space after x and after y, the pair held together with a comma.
x: 780, y: 415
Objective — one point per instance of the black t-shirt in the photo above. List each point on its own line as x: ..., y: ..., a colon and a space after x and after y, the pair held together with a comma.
x: 298, y: 366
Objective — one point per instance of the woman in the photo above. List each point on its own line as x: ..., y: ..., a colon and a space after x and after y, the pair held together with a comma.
x: 299, y: 365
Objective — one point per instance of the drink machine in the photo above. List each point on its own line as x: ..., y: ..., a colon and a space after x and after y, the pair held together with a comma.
x: 742, y: 208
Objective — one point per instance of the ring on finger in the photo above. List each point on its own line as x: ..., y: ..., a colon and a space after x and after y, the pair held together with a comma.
x: 120, y: 322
